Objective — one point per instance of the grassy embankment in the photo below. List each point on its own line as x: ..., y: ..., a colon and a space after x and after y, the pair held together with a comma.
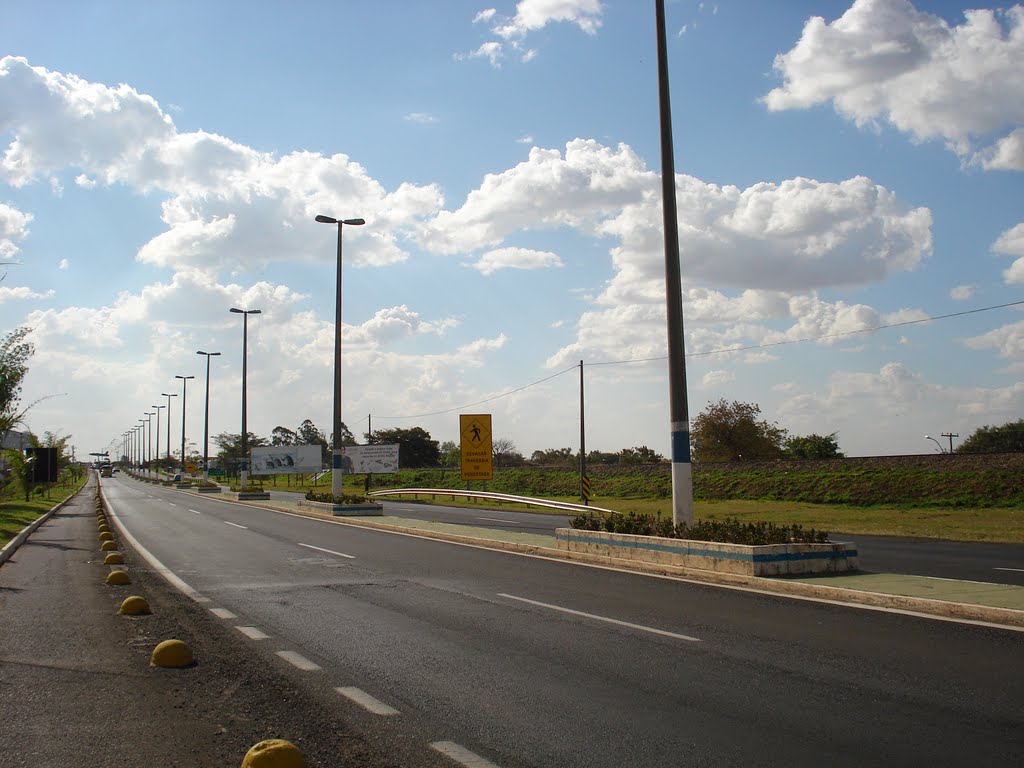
x: 960, y: 499
x: 16, y: 513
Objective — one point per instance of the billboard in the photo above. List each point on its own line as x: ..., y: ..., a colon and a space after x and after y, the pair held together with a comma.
x: 475, y: 446
x: 369, y: 459
x: 286, y: 459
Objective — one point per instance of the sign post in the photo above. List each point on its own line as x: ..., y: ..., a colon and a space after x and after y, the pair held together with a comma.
x: 475, y: 446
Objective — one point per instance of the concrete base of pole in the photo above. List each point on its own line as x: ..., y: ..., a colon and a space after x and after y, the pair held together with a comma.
x: 682, y: 493
x: 244, y: 478
x: 336, y: 474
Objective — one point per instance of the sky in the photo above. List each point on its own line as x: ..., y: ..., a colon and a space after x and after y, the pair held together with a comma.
x: 850, y: 206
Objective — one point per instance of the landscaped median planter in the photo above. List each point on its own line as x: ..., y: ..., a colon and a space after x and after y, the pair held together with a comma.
x: 765, y: 560
x: 347, y: 510
x: 253, y: 495
x: 208, y: 489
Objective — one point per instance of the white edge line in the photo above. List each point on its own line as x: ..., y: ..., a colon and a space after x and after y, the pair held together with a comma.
x: 253, y: 633
x: 367, y: 702
x: 605, y: 619
x: 461, y: 755
x: 299, y: 661
x: 328, y: 551
x: 665, y: 577
x: 148, y: 556
x: 228, y: 522
x: 1017, y: 570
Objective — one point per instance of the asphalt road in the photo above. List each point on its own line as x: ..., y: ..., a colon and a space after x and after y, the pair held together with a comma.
x: 529, y: 662
x: 971, y: 561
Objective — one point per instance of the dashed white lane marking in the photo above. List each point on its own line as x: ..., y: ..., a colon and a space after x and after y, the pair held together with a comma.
x: 500, y: 520
x: 253, y: 633
x: 328, y: 551
x: 1016, y: 570
x: 366, y: 701
x: 605, y: 619
x: 196, y: 511
x: 223, y: 613
x: 299, y: 661
x: 226, y: 522
x: 461, y: 755
x: 172, y: 503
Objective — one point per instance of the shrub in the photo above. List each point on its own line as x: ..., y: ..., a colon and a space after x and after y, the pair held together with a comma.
x: 727, y: 531
x: 329, y: 498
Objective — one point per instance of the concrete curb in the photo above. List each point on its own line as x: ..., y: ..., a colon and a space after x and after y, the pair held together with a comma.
x: 783, y: 587
x: 9, y: 548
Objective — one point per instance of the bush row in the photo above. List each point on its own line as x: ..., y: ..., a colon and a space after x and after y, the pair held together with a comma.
x: 728, y: 531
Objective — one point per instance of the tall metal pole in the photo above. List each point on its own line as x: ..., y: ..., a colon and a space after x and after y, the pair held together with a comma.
x: 336, y: 476
x: 184, y: 381
x: 206, y: 420
x: 149, y: 441
x: 679, y: 417
x: 157, y: 414
x: 584, y: 490
x: 244, y: 472
x: 168, y: 396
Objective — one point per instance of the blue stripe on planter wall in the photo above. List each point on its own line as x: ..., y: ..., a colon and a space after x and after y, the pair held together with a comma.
x: 725, y: 555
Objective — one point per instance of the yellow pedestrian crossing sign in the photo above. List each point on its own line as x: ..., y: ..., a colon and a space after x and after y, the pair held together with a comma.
x: 475, y: 446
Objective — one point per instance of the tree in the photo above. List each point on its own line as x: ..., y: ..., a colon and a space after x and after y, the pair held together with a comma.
x: 505, y: 453
x: 14, y: 354
x: 415, y: 447
x: 814, y: 447
x: 282, y: 436
x: 602, y: 457
x: 732, y: 431
x: 1008, y: 438
x: 449, y: 454
x: 230, y: 445
x: 640, y: 455
x: 554, y: 457
x: 20, y: 467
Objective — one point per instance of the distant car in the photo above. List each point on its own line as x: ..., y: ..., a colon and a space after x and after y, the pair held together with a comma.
x: 106, y: 471
x: 177, y: 478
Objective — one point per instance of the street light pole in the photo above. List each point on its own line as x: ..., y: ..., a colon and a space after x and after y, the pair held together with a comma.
x: 336, y: 476
x: 149, y: 441
x: 929, y: 437
x: 184, y: 381
x: 168, y: 396
x: 157, y: 414
x: 206, y: 420
x: 243, y: 473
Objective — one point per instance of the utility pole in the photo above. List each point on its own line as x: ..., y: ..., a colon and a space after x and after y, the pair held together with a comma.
x: 951, y: 435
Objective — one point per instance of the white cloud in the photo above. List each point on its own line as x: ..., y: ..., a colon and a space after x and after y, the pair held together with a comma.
x: 1008, y: 340
x: 1011, y: 242
x: 485, y: 15
x: 22, y: 293
x: 885, y: 60
x: 230, y: 207
x: 1007, y: 154
x: 714, y: 379
x: 84, y: 181
x: 532, y: 15
x: 516, y: 258
x: 527, y: 139
x: 13, y: 226
x: 491, y: 50
x: 423, y: 118
x: 64, y: 265
x: 963, y: 292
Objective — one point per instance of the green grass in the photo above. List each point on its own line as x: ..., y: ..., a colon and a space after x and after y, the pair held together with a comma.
x: 16, y: 513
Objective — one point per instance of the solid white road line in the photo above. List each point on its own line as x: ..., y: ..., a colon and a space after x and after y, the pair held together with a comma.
x: 500, y: 520
x: 299, y: 661
x: 253, y: 633
x: 1015, y: 570
x: 461, y: 755
x: 236, y: 525
x: 328, y: 551
x: 570, y: 611
x: 222, y: 613
x: 366, y: 701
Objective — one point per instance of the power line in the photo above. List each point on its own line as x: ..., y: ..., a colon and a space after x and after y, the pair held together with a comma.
x: 816, y: 338
x: 724, y: 350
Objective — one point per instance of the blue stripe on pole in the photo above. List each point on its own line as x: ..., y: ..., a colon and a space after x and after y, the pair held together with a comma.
x: 336, y: 461
x: 680, y: 447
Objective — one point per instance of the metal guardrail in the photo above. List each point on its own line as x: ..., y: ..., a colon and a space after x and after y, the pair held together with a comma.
x: 529, y: 501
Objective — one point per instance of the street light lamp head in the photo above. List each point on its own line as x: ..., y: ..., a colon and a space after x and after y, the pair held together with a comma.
x: 246, y: 311
x: 348, y: 222
x: 208, y: 354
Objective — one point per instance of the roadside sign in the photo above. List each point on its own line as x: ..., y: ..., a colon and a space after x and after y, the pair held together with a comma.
x: 475, y: 446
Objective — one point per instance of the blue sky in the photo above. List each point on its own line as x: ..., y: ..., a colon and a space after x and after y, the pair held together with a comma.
x: 841, y: 166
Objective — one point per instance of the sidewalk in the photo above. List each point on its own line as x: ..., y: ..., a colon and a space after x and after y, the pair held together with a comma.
x: 78, y: 688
